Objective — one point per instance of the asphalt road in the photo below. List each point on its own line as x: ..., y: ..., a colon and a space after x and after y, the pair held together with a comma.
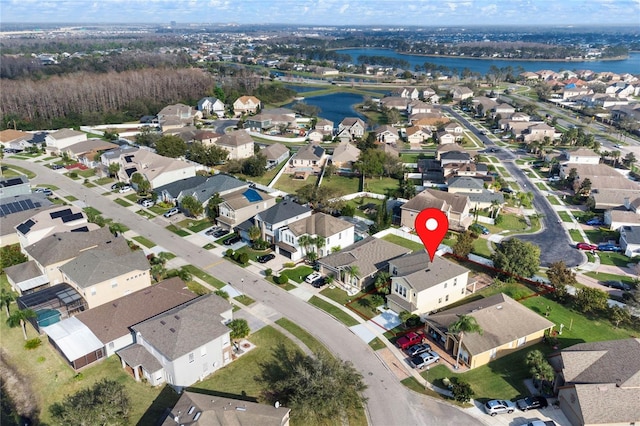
x: 553, y: 240
x: 389, y: 402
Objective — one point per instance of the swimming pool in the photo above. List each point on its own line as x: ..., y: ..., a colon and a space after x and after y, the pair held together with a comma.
x: 46, y: 317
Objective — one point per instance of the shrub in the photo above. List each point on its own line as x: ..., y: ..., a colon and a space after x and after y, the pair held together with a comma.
x: 268, y: 272
x: 32, y: 343
x: 289, y: 265
x: 73, y: 175
x: 243, y: 258
x: 461, y: 390
x: 222, y: 294
x: 229, y: 253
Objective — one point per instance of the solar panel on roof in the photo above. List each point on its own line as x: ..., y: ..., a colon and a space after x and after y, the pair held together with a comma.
x: 72, y: 217
x: 60, y: 213
x: 81, y: 229
x: 252, y: 195
x: 13, y: 181
x: 25, y: 227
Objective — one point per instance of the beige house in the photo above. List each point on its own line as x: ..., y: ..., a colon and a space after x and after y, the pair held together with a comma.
x: 507, y: 327
x: 103, y: 275
x: 333, y: 231
x: 242, y: 205
x: 177, y: 116
x: 57, y: 220
x: 309, y: 156
x: 387, y: 134
x: 538, y: 132
x: 63, y: 138
x: 345, y: 155
x: 417, y: 134
x: 156, y: 169
x: 246, y: 105
x: 420, y: 286
x: 238, y: 143
x: 88, y: 152
x: 460, y: 93
x: 455, y: 206
x: 599, y: 382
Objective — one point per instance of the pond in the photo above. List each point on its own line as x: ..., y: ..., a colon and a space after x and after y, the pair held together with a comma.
x: 336, y: 106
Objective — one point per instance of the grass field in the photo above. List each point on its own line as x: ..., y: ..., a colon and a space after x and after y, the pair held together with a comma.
x: 290, y: 185
x: 564, y: 216
x: 334, y: 311
x: 144, y: 241
x: 383, y: 185
x: 341, y: 185
x: 553, y: 200
x: 411, y: 245
x: 13, y: 171
x: 204, y: 276
x: 122, y: 202
x: 314, y: 345
x: 298, y: 274
x: 177, y: 230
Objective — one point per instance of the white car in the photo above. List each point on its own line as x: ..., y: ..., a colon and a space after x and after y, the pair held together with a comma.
x: 172, y: 212
x: 312, y: 277
x: 124, y: 189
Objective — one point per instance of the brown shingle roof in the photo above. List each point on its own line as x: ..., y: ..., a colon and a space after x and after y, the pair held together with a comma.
x: 421, y: 273
x: 369, y: 255
x: 320, y: 224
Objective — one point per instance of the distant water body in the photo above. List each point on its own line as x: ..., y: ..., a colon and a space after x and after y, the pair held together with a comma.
x: 630, y: 65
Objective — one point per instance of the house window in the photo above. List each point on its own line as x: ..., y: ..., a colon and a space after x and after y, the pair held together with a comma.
x: 493, y: 353
x: 446, y: 298
x: 440, y: 300
x: 93, y: 291
x: 462, y: 292
x: 203, y: 351
x: 191, y: 357
x: 455, y: 281
x: 445, y: 285
x: 522, y: 341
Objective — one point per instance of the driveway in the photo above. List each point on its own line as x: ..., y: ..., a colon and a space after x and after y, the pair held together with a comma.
x: 389, y: 402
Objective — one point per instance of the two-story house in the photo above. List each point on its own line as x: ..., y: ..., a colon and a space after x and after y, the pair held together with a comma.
x: 387, y: 134
x: 277, y: 216
x: 479, y: 197
x: 156, y: 169
x: 238, y: 143
x: 455, y: 206
x: 246, y: 105
x: 63, y: 138
x: 176, y: 116
x: 460, y: 93
x: 240, y: 206
x: 420, y: 286
x: 56, y: 220
x: 354, y: 126
x: 328, y: 232
x: 211, y: 106
x: 201, y: 187
x: 182, y: 345
x: 417, y: 135
x: 344, y: 156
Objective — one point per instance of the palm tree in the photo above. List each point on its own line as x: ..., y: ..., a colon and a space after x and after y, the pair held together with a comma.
x: 213, y: 206
x: 464, y: 324
x: 254, y: 233
x: 304, y: 241
x: 20, y: 318
x: 6, y: 297
x: 616, y: 156
x: 319, y: 242
x: 495, y: 207
x: 353, y: 271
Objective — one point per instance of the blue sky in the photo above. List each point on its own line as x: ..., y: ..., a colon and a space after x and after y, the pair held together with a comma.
x: 327, y: 12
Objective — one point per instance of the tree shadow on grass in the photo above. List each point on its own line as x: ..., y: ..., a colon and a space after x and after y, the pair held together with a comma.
x: 160, y: 407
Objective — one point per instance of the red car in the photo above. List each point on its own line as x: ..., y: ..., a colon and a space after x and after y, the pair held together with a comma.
x: 408, y: 339
x: 586, y: 246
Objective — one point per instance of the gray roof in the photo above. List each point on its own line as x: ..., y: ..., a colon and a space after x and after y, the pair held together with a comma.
x: 417, y: 269
x: 23, y: 271
x: 455, y: 156
x: 137, y: 355
x: 17, y: 208
x: 112, y: 320
x: 67, y: 245
x: 186, y: 327
x: 437, y: 199
x: 465, y: 182
x: 102, y: 264
x: 632, y: 234
x: 282, y: 211
x: 237, y: 138
x: 321, y: 224
x: 485, y: 196
x: 221, y: 411
x: 13, y: 181
x: 501, y: 318
x: 274, y: 151
x: 310, y: 152
x: 369, y: 255
x: 608, y: 404
x: 175, y: 188
x: 217, y: 184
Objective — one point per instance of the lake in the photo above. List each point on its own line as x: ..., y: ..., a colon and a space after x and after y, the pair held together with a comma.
x: 336, y: 106
x: 630, y: 65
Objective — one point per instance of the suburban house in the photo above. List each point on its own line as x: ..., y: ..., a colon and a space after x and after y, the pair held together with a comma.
x: 156, y: 169
x: 356, y: 266
x: 387, y: 134
x: 322, y: 131
x: 480, y: 170
x: 206, y: 137
x: 420, y: 286
x: 419, y: 107
x: 198, y: 409
x: 211, y: 105
x: 63, y: 138
x: 601, y: 176
x: 240, y: 206
x: 538, y: 132
x: 630, y: 240
x: 460, y: 93
x: 13, y: 186
x: 604, y: 199
x: 479, y: 197
x: 598, y: 383
x: 61, y: 219
x: 271, y: 121
x: 503, y: 110
x: 16, y: 139
x: 238, y: 143
x: 446, y: 137
x: 442, y: 149
x: 579, y: 156
x: 201, y: 187
x: 455, y: 206
x: 324, y: 125
x: 455, y: 129
x: 353, y: 126
x: 278, y: 216
x: 98, y: 333
x: 431, y: 172
x: 101, y: 275
x: 395, y: 102
x: 182, y: 345
x: 176, y: 116
x: 455, y: 156
x: 26, y: 277
x: 310, y: 158
x: 15, y: 210
x: 344, y: 156
x: 246, y: 105
x: 430, y: 120
x: 417, y: 135
x: 59, y: 248
x: 406, y: 92
x: 507, y: 327
x: 88, y: 152
x: 275, y: 154
x: 332, y: 232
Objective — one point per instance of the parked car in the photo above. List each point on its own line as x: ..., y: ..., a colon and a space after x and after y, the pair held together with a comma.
x: 172, y: 212
x: 116, y: 186
x: 554, y: 179
x: 57, y: 166
x: 424, y: 359
x: 212, y: 231
x: 586, y: 246
x: 418, y: 349
x: 595, y: 222
x: 507, y: 190
x: 231, y: 241
x: 46, y: 191
x: 532, y: 402
x: 124, y: 189
x: 266, y: 257
x: 409, y: 339
x: 147, y: 202
x: 220, y: 233
x: 499, y: 406
x: 319, y: 282
x: 479, y: 229
x: 538, y: 422
x: 312, y: 277
x: 619, y: 285
x: 608, y: 247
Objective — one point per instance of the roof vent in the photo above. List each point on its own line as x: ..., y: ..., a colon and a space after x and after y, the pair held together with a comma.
x: 241, y: 408
x: 163, y: 323
x: 177, y: 317
x: 173, y: 330
x: 499, y: 307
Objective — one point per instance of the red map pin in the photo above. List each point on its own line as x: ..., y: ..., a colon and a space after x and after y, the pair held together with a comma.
x: 431, y: 226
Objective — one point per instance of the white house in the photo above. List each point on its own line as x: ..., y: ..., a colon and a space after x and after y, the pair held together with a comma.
x: 333, y: 232
x: 211, y: 105
x: 630, y: 240
x: 63, y: 138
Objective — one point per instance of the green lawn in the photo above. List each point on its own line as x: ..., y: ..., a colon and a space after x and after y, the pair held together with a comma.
x: 601, y: 235
x: 290, y: 185
x: 383, y: 185
x: 553, y: 200
x: 298, y: 274
x: 509, y: 222
x: 245, y: 300
x: 103, y: 181
x: 575, y: 235
x: 253, y: 254
x: 122, y: 202
x: 611, y: 258
x: 314, y: 345
x: 209, y: 279
x: 334, y: 311
x: 338, y: 295
x: 341, y: 185
x: 13, y: 171
x: 358, y: 202
x: 602, y: 276
x: 71, y: 198
x: 92, y: 211
x: 411, y: 245
x: 176, y: 230
x: 144, y: 241
x: 413, y: 158
x: 194, y: 225
x: 376, y: 344
x: 541, y: 186
x: 197, y: 288
x: 288, y: 286
x: 481, y: 248
x: 564, y: 216
x: 143, y: 212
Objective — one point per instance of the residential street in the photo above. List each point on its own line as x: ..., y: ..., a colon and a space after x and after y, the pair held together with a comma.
x: 384, y: 390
